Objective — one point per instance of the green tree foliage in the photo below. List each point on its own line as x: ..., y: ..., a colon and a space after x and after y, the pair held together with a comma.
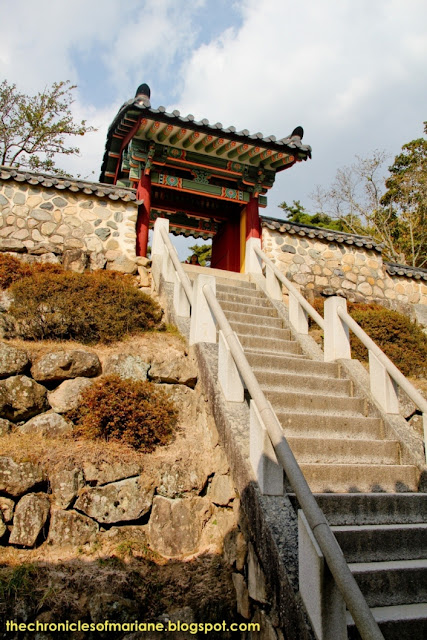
x: 406, y: 195
x: 203, y: 253
x: 297, y: 213
x: 34, y: 129
x: 393, y: 211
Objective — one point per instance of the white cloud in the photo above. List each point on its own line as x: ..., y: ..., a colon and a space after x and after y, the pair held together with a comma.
x: 350, y: 72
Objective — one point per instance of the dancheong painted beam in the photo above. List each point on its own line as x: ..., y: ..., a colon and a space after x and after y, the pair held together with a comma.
x: 209, y: 181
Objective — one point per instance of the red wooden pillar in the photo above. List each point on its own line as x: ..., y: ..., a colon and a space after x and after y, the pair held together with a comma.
x: 253, y: 225
x: 143, y: 192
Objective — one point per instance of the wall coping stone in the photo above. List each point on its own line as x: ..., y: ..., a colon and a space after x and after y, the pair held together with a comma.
x: 319, y: 232
x: 97, y: 189
x: 405, y: 270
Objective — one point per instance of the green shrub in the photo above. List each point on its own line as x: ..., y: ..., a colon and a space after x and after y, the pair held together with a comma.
x: 137, y: 413
x: 102, y: 306
x: 401, y: 339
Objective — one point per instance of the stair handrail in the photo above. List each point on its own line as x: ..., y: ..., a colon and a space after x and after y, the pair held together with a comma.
x: 345, y: 581
x: 389, y: 402
x: 391, y: 368
x: 308, y: 308
x: 185, y: 280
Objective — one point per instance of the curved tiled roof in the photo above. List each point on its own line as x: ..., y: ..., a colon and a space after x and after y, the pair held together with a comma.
x: 404, y: 270
x: 97, y: 189
x: 330, y: 235
x: 139, y: 107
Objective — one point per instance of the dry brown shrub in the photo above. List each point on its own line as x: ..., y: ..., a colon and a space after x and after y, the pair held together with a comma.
x: 90, y: 307
x: 137, y: 413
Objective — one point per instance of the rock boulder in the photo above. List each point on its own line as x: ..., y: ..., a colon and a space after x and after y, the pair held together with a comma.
x: 21, y: 398
x: 12, y: 360
x: 118, y: 501
x: 175, y: 526
x: 126, y: 366
x: 65, y: 365
x: 18, y: 477
x: 30, y: 516
x: 103, y: 472
x: 67, y: 395
x: 180, y: 370
x: 65, y: 484
x: 49, y: 424
x: 69, y: 528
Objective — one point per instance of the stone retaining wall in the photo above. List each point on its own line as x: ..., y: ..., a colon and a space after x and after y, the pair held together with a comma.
x: 324, y: 262
x: 66, y: 214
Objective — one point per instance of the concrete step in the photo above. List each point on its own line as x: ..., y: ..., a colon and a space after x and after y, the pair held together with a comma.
x: 399, y: 622
x: 255, y: 299
x: 241, y: 287
x: 265, y: 344
x: 250, y: 312
x: 373, y: 508
x: 393, y: 582
x: 256, y: 321
x: 295, y: 381
x: 373, y: 543
x: 344, y: 450
x: 327, y: 425
x: 335, y: 404
x: 261, y: 330
x: 351, y: 478
x: 282, y: 364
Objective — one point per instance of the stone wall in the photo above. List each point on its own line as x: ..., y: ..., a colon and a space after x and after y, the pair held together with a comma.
x: 36, y: 209
x: 324, y: 262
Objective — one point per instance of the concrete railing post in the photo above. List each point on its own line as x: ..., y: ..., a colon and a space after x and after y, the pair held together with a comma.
x: 269, y: 473
x: 383, y: 388
x: 298, y: 317
x: 180, y: 300
x: 252, y: 261
x: 158, y: 250
x: 202, y: 326
x: 228, y: 375
x: 337, y: 339
x: 274, y: 287
x: 323, y: 601
x: 158, y: 245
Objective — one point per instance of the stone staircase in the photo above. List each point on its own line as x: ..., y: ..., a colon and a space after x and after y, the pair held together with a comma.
x: 367, y: 494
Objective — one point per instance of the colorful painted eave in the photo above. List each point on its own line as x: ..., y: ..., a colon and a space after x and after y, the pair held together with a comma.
x: 135, y: 119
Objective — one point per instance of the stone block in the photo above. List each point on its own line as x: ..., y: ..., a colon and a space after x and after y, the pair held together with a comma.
x: 126, y: 366
x: 12, y: 360
x: 242, y: 595
x: 67, y: 395
x: 18, y: 477
x: 62, y: 365
x: 49, y: 425
x: 30, y: 515
x: 21, y: 398
x: 117, y: 501
x: 175, y: 526
x: 69, y: 528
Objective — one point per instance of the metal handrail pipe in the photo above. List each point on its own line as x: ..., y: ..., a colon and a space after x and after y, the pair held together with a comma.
x: 185, y: 280
x: 391, y: 368
x: 353, y: 597
x: 303, y: 302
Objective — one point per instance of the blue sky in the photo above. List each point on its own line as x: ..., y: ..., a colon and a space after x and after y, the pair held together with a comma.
x: 351, y: 72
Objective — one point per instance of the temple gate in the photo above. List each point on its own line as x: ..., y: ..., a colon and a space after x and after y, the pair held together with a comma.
x: 208, y: 181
